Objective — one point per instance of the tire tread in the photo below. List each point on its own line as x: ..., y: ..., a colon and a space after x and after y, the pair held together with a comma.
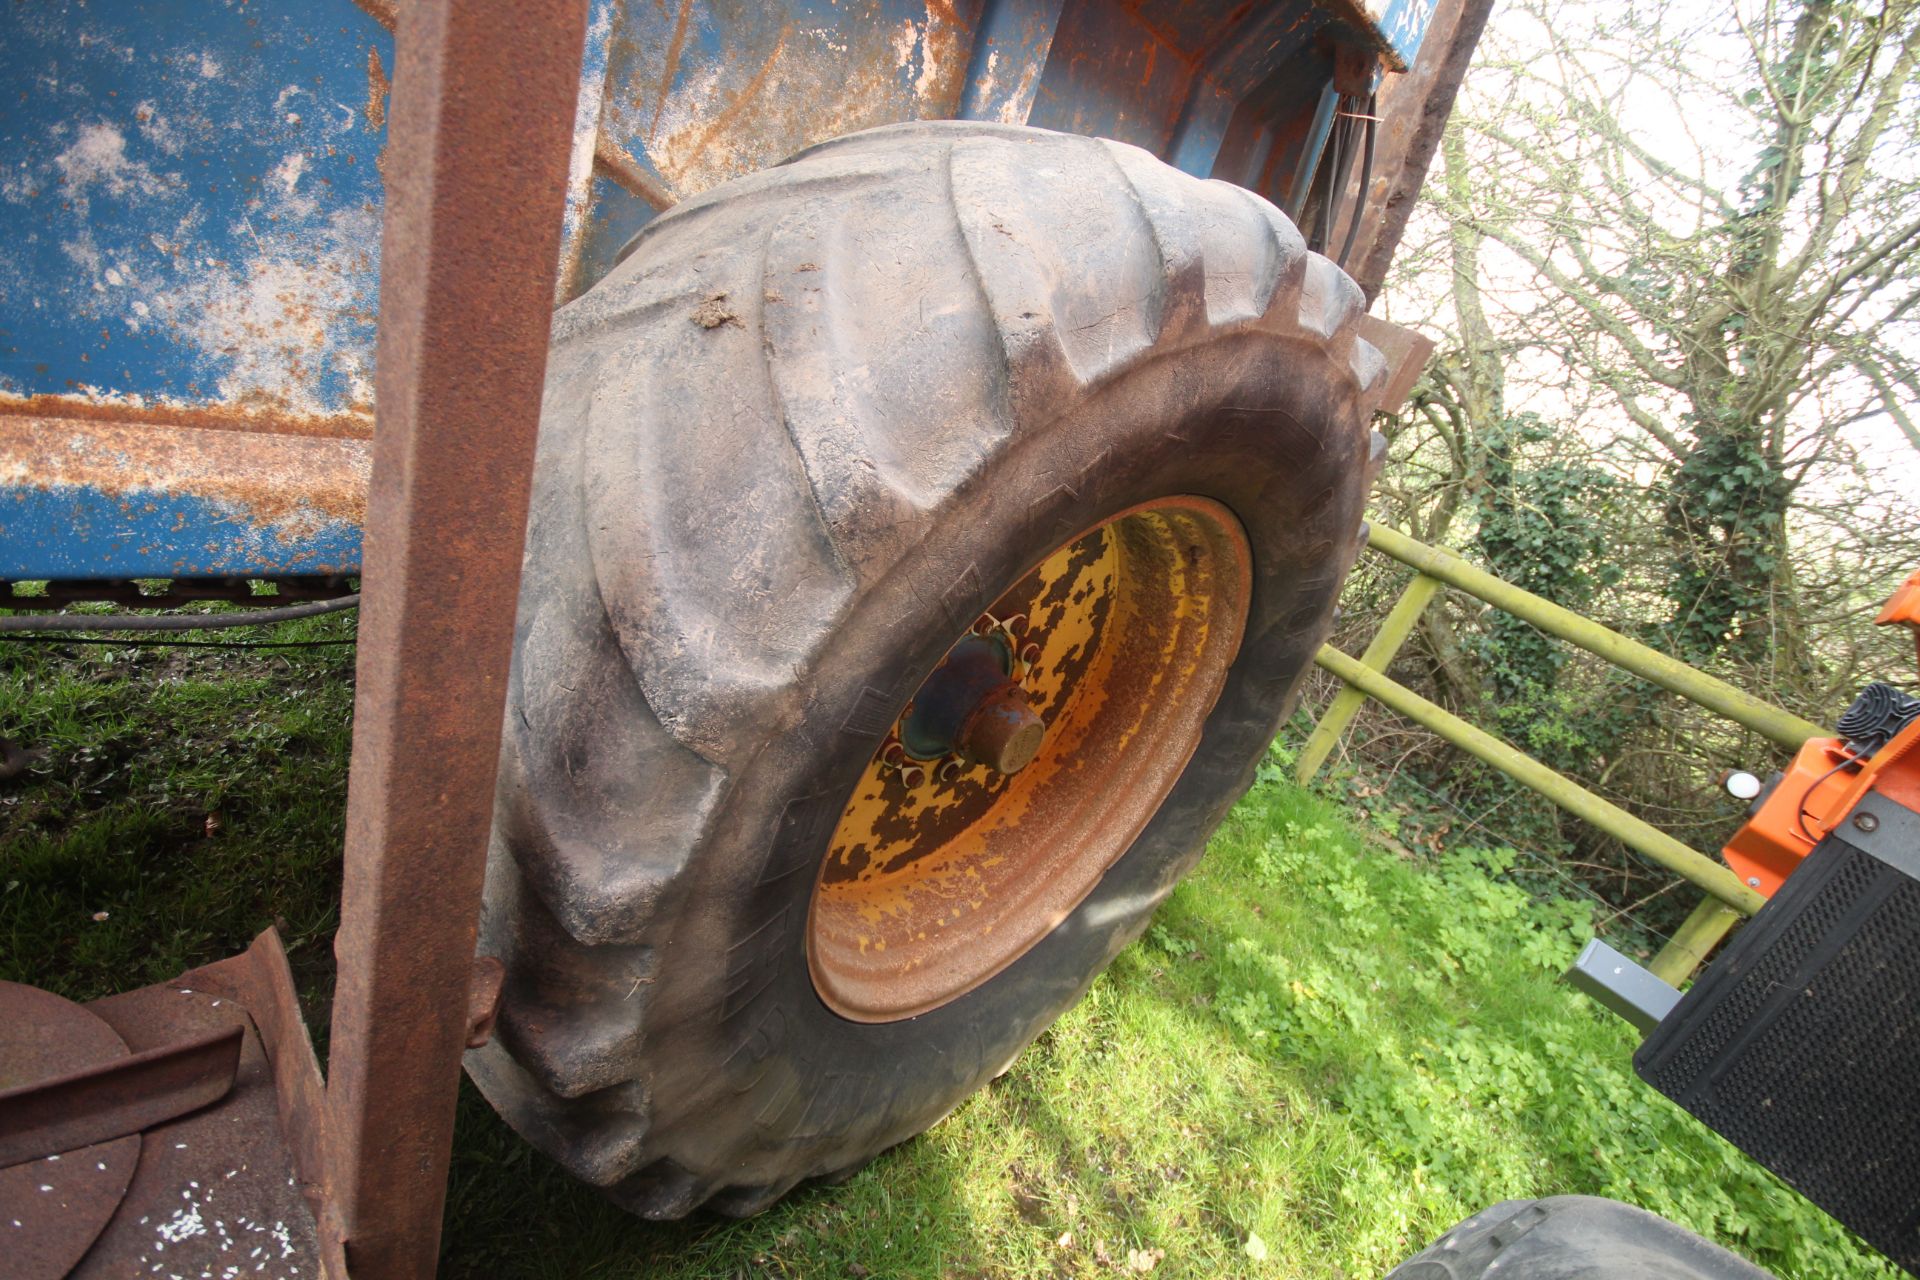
x: 655, y: 570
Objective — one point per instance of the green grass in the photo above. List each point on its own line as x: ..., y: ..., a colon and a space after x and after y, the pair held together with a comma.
x: 1321, y: 1055
x: 189, y: 797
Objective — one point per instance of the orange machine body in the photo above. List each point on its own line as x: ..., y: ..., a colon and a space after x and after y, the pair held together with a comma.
x: 1814, y: 796
x: 1823, y: 783
x: 1903, y: 610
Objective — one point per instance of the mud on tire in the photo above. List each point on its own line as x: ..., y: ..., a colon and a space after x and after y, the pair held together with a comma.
x: 815, y: 422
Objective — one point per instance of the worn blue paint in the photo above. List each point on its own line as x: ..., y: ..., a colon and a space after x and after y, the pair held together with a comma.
x: 1202, y: 129
x: 1110, y: 73
x: 190, y: 193
x: 700, y: 91
x: 1404, y: 25
x: 1010, y: 49
x: 579, y: 218
x: 1318, y: 134
x: 189, y: 201
x: 1266, y: 45
x: 84, y: 533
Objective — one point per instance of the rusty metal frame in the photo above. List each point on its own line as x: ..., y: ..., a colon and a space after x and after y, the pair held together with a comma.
x: 476, y: 179
x: 1416, y: 107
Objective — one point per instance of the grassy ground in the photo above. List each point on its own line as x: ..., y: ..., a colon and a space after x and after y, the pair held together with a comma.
x: 1321, y: 1056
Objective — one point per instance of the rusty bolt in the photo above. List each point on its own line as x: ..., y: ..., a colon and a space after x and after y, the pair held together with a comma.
x: 1030, y: 654
x: 950, y: 769
x: 913, y: 775
x: 483, y: 998
x: 1016, y: 624
x: 894, y: 754
x: 983, y: 624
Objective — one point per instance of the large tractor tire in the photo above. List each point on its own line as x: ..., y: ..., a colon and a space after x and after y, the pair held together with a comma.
x: 929, y: 536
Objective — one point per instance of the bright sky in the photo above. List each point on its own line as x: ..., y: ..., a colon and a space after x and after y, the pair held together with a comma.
x: 1692, y: 124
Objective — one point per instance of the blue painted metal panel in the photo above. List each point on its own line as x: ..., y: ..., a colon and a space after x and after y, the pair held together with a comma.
x: 618, y: 215
x: 190, y: 197
x: 1275, y: 37
x: 1318, y: 134
x: 1112, y: 74
x: 1202, y: 128
x: 700, y: 91
x: 580, y: 214
x: 190, y: 201
x: 81, y: 533
x: 88, y: 498
x: 1403, y: 24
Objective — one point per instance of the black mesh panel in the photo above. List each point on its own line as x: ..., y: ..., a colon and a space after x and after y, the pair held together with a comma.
x: 1802, y: 1044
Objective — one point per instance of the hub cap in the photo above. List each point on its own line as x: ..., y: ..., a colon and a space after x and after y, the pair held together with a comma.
x: 1028, y: 760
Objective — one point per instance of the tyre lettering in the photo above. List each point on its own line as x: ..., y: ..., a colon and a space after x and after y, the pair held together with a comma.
x: 784, y: 1097
x: 1091, y: 473
x: 962, y: 600
x: 753, y: 964
x: 767, y: 1035
x: 1061, y: 499
x: 804, y: 826
x: 1280, y: 419
x: 870, y: 715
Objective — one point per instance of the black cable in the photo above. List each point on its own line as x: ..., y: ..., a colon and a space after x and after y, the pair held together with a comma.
x: 121, y: 642
x: 1366, y: 179
x: 1800, y: 810
x: 1336, y: 159
x: 33, y: 623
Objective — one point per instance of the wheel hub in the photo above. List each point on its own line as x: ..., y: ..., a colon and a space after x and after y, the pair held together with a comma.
x: 973, y: 709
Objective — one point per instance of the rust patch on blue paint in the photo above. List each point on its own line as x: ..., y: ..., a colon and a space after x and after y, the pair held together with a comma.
x: 211, y: 417
x: 89, y: 499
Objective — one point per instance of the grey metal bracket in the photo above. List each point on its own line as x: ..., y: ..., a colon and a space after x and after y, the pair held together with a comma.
x: 1622, y: 986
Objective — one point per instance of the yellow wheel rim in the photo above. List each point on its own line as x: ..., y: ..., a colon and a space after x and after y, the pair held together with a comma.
x: 944, y: 870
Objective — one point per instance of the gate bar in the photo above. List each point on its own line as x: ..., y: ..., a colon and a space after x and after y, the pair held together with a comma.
x: 1694, y: 940
x: 1524, y: 769
x: 1671, y: 674
x: 1380, y: 654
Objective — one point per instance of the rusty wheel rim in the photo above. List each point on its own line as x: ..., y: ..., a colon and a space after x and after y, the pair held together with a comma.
x: 972, y: 833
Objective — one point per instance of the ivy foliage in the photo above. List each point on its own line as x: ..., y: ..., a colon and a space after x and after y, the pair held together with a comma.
x: 1544, y: 525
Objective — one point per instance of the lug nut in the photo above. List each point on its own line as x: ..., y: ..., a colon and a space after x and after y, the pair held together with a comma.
x: 983, y: 624
x: 913, y: 775
x: 1030, y: 654
x: 1016, y: 625
x: 894, y: 754
x: 950, y: 769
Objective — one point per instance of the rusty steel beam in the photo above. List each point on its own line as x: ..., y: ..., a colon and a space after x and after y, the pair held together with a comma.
x: 476, y: 171
x: 1414, y: 108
